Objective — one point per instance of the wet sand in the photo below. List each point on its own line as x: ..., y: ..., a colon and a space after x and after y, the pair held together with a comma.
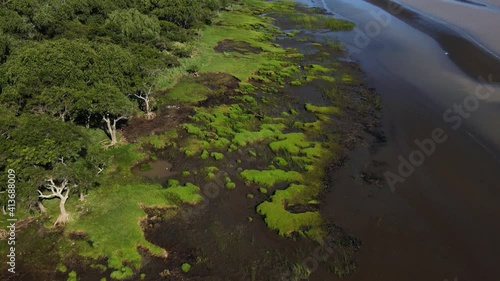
x: 477, y: 19
x: 440, y: 223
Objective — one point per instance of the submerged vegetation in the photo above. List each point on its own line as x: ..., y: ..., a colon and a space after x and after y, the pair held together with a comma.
x: 197, y: 83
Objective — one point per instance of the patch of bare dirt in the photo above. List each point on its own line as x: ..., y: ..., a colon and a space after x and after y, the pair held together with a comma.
x: 241, y: 47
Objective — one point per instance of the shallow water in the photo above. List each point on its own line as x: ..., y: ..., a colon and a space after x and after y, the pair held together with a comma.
x: 159, y: 172
x: 440, y: 223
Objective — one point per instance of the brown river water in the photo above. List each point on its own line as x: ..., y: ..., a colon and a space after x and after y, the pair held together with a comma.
x: 441, y: 223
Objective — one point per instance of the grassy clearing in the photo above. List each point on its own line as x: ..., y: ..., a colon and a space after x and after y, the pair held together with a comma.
x: 240, y: 25
x: 186, y: 91
x: 111, y: 214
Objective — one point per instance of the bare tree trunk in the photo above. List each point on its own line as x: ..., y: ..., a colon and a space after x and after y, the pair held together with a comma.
x: 146, y: 98
x: 62, y: 192
x: 42, y: 208
x: 111, y: 128
x: 64, y: 216
x: 87, y: 123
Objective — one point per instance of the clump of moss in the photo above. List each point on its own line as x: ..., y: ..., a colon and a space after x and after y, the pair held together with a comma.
x: 211, y: 169
x: 187, y: 193
x: 186, y: 267
x: 229, y: 183
x: 62, y: 268
x: 204, y: 154
x: 327, y: 78
x: 124, y: 273
x: 286, y: 223
x: 194, y: 130
x: 248, y: 99
x: 322, y: 109
x: 192, y: 146
x: 315, y: 68
x: 269, y: 178
x: 217, y: 155
x: 346, y: 78
x: 280, y: 161
x: 263, y: 190
x: 72, y: 276
x: 245, y: 137
x: 291, y: 143
x: 210, y: 176
x: 219, y: 142
x: 315, y: 152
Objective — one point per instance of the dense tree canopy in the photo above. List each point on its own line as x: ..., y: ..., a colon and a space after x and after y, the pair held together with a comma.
x: 66, y: 66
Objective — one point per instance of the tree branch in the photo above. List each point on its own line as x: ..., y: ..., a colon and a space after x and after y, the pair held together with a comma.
x: 140, y: 97
x: 42, y: 196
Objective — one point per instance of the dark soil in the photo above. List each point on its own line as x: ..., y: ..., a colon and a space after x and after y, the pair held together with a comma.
x: 236, y: 46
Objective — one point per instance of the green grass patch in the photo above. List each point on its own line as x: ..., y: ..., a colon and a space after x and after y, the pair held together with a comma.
x: 315, y: 21
x: 268, y: 178
x: 217, y: 155
x: 110, y: 216
x: 291, y: 143
x: 188, y: 193
x: 278, y: 218
x: 244, y: 137
x: 280, y: 161
x: 186, y: 91
x: 286, y: 223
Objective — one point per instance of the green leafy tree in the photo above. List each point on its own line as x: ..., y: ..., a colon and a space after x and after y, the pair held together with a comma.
x: 41, y: 66
x: 112, y: 106
x: 73, y: 80
x: 47, y: 157
x: 132, y: 25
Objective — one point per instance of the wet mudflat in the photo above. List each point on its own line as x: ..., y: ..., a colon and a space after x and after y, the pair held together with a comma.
x: 439, y: 223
